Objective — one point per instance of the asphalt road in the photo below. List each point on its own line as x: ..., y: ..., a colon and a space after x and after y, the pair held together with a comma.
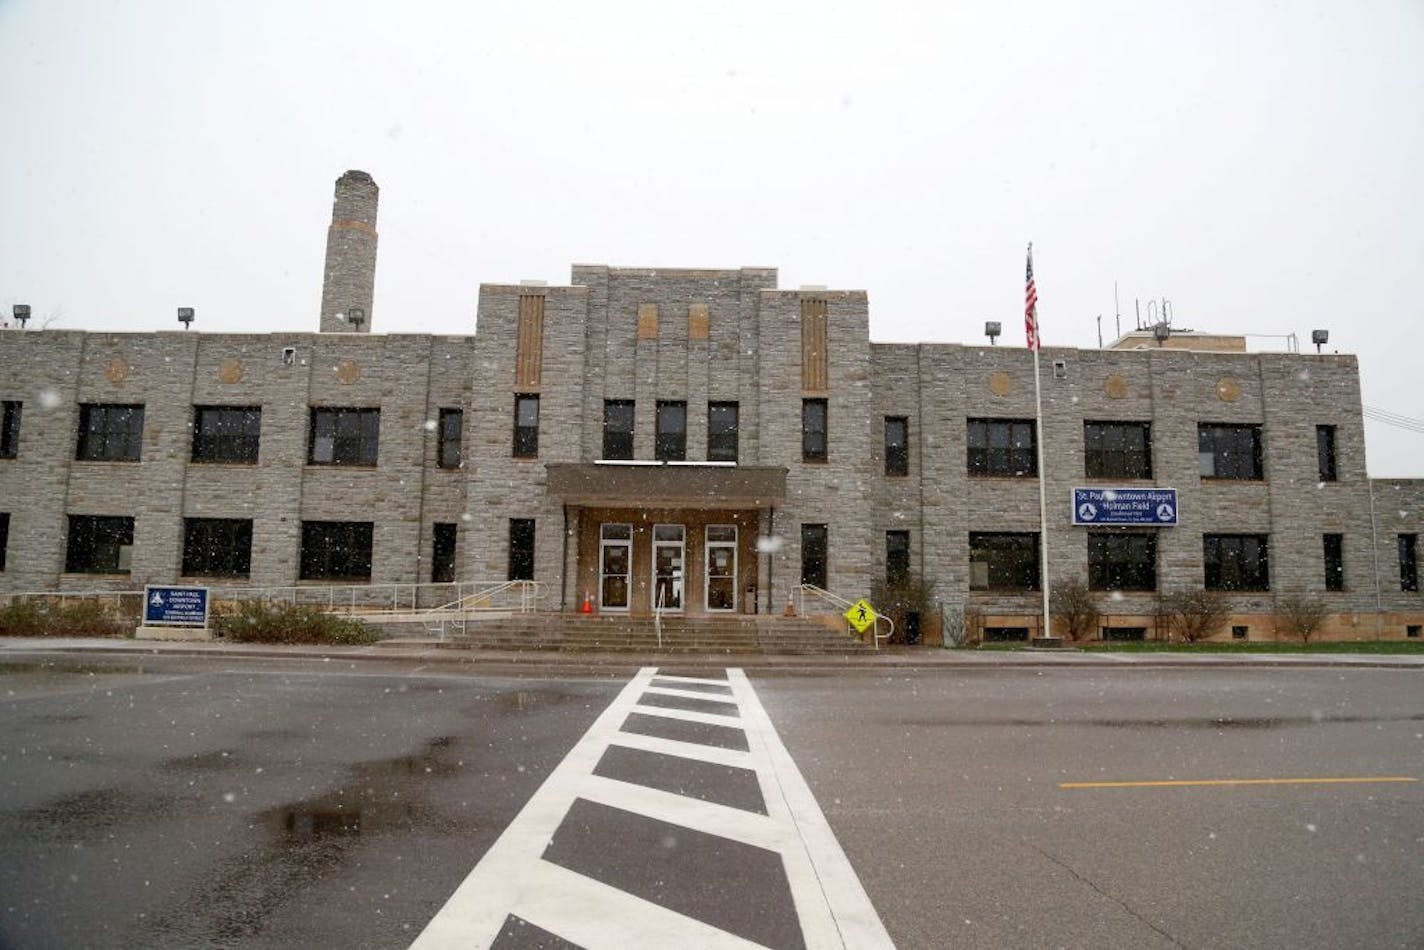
x: 219, y: 801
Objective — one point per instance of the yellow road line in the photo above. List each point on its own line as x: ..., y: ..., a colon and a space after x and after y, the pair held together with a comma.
x: 1177, y: 783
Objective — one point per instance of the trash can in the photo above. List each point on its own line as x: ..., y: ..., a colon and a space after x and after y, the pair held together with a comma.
x: 749, y: 602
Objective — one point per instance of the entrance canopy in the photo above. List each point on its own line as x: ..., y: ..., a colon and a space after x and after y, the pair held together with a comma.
x: 667, y: 484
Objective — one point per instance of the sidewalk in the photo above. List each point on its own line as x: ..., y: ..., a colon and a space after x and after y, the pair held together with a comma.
x: 902, y: 658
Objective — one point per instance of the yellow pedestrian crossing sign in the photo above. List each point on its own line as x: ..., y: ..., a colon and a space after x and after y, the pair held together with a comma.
x: 861, y: 615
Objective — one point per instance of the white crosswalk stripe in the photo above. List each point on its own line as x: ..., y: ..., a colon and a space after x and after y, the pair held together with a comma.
x: 512, y: 878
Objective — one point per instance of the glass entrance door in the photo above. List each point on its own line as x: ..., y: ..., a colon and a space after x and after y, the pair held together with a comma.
x: 721, y: 563
x: 615, y: 565
x: 668, y: 558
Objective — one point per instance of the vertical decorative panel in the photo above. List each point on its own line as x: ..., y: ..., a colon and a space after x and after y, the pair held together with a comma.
x: 815, y: 361
x: 647, y: 321
x: 530, y: 356
x: 698, y: 322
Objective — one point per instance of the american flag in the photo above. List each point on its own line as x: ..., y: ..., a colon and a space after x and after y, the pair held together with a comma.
x: 1030, y: 305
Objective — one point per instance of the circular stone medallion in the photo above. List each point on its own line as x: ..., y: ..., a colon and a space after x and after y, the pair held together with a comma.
x: 348, y: 371
x: 1228, y: 389
x: 116, y: 370
x: 230, y: 371
x: 1001, y: 384
x: 1115, y: 386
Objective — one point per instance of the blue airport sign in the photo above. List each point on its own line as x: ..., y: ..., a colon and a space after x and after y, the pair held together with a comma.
x: 1149, y: 506
x: 186, y: 606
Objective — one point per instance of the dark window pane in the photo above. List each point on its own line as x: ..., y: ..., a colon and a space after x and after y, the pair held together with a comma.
x: 897, y: 556
x: 1003, y: 561
x: 217, y: 547
x: 1122, y: 561
x: 336, y: 550
x: 670, y: 436
x: 1002, y: 447
x: 344, y: 436
x: 618, y: 429
x: 897, y: 445
x: 452, y: 423
x: 1334, y: 551
x: 813, y: 430
x: 226, y: 433
x: 98, y: 544
x: 1236, y: 562
x: 526, y: 427
x: 1325, y: 452
x: 110, y: 433
x: 1117, y: 449
x: 442, y: 559
x: 1408, y: 562
x: 722, y: 431
x: 9, y: 429
x: 813, y: 555
x: 1229, y: 451
x: 521, y: 549
x: 4, y: 536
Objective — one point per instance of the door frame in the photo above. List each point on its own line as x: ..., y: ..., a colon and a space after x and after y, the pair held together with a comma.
x: 707, y: 546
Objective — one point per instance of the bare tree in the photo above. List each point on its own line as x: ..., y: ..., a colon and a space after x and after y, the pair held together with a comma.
x: 1072, y: 602
x: 1192, y: 614
x: 1300, y: 615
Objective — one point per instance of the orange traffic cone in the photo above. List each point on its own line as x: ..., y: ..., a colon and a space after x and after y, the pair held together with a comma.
x: 587, y: 607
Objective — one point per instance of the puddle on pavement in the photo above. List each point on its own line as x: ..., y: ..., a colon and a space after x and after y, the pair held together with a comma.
x: 522, y: 700
x: 89, y: 815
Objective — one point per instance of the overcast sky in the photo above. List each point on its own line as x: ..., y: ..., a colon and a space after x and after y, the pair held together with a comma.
x: 1257, y: 164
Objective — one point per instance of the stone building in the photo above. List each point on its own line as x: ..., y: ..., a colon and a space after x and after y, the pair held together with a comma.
x: 696, y: 440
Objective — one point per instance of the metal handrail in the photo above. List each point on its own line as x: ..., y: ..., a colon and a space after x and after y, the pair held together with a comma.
x: 843, y: 605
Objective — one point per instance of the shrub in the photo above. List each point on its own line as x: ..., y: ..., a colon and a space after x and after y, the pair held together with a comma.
x: 910, y: 595
x: 255, y: 622
x: 1072, y: 602
x: 1300, y: 615
x: 1192, y: 615
x: 78, y: 618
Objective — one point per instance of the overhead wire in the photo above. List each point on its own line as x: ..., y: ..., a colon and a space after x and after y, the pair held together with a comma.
x: 1398, y: 420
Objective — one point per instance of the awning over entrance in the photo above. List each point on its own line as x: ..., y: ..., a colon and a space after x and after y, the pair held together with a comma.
x: 681, y: 485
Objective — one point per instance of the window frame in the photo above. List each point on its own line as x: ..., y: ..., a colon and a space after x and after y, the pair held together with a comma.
x: 723, y: 440
x: 449, y: 438
x: 815, y: 554
x: 526, y: 434
x: 234, y: 437
x: 1025, y: 570
x: 1113, y: 565
x: 1332, y: 547
x: 224, y: 534
x: 1112, y: 457
x: 1013, y: 459
x: 613, y: 449
x: 365, y: 440
x: 815, y: 433
x: 1408, y: 548
x: 10, y: 414
x: 110, y: 432
x: 897, y: 557
x: 444, y: 545
x: 1327, y: 459
x: 112, y: 531
x: 4, y: 537
x: 522, y: 537
x: 315, y: 561
x: 1220, y: 441
x: 1253, y: 573
x: 897, y: 453
x: 669, y: 440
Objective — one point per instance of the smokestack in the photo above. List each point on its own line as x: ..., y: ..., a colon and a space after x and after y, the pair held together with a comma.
x: 350, y: 280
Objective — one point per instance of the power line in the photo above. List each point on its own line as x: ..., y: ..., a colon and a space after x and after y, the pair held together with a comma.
x: 1399, y: 421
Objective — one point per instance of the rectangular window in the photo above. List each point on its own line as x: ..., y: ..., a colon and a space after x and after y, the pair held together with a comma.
x: 813, y: 555
x: 1334, y: 546
x: 442, y: 555
x: 670, y: 432
x: 1325, y: 452
x: 1003, y: 561
x: 521, y: 549
x: 813, y: 430
x: 98, y: 544
x: 897, y: 557
x: 722, y: 430
x: 451, y: 429
x: 1117, y: 449
x: 9, y: 428
x: 217, y: 547
x: 897, y: 445
x: 1240, y: 632
x: 1408, y: 562
x: 336, y: 550
x: 4, y: 536
x: 344, y: 436
x: 226, y: 433
x: 109, y: 433
x: 1122, y: 561
x: 618, y: 429
x: 526, y: 426
x: 1236, y: 561
x: 1411, y: 630
x: 1002, y: 447
x: 1229, y: 451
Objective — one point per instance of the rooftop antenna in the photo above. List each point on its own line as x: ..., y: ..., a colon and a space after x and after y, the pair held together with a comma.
x: 1117, y: 311
x: 1137, y: 305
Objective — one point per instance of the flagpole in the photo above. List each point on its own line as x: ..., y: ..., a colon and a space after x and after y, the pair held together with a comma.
x: 1042, y: 471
